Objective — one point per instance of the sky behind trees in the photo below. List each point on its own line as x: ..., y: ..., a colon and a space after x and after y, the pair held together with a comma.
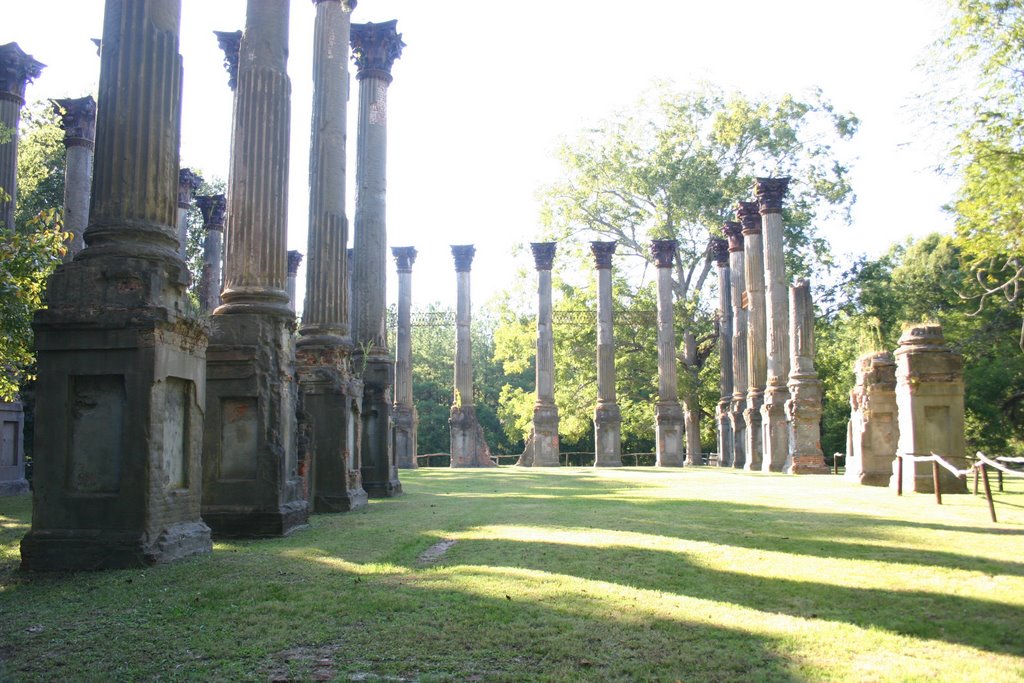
x: 485, y: 91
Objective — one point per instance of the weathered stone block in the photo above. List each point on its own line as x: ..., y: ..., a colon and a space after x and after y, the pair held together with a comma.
x: 12, y: 449
x: 874, y: 425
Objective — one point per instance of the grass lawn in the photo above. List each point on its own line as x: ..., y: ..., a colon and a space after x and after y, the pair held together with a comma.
x: 573, y: 573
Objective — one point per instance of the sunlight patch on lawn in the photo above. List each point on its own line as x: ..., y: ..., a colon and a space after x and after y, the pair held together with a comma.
x: 344, y: 565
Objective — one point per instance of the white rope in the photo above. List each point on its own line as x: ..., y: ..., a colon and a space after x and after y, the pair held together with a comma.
x: 999, y: 466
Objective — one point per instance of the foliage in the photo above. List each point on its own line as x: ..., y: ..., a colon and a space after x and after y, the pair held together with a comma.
x: 562, y: 575
x: 672, y: 167
x: 196, y: 235
x: 917, y: 281
x: 34, y: 245
x: 984, y: 46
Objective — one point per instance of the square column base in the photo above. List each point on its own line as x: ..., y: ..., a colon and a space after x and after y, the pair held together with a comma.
x: 668, y: 419
x: 380, y: 475
x: 754, y: 444
x: 331, y: 402
x: 607, y: 435
x: 406, y: 421
x: 468, y: 444
x: 12, y: 449
x: 739, y: 435
x: 251, y: 484
x: 775, y: 426
x: 542, y: 446
x: 726, y: 447
x: 119, y: 407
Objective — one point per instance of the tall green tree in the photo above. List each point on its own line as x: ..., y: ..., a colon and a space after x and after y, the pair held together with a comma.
x: 674, y: 166
x: 984, y: 47
x: 32, y: 247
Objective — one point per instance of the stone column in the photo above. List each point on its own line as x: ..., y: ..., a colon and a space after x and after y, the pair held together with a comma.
x: 332, y: 395
x: 406, y: 419
x: 78, y: 118
x: 775, y: 439
x: 121, y: 368
x: 720, y: 250
x: 375, y: 47
x: 188, y: 183
x: 607, y: 416
x: 212, y: 207
x: 668, y: 413
x: 873, y: 431
x: 16, y: 70
x: 739, y: 343
x: 749, y: 216
x: 294, y: 261
x: 542, y: 445
x: 803, y: 410
x: 468, y: 444
x: 930, y: 397
x: 251, y: 481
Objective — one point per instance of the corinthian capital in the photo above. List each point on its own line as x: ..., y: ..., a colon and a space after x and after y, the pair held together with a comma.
x: 404, y: 258
x: 543, y: 254
x: 664, y: 252
x: 16, y: 70
x: 749, y: 215
x: 770, y: 192
x: 375, y: 47
x: 78, y: 119
x: 230, y: 42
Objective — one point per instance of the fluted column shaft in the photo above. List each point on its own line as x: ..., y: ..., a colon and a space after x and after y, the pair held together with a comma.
x: 668, y: 413
x: 770, y: 193
x: 16, y: 70
x: 753, y: 251
x: 212, y: 207
x: 607, y: 416
x: 463, y: 341
x: 375, y: 47
x: 188, y: 183
x: 739, y: 342
x: 78, y: 118
x: 255, y: 259
x: 404, y: 257
x: 294, y: 261
x: 542, y: 446
x: 138, y: 124
x: 325, y: 316
x: 720, y: 249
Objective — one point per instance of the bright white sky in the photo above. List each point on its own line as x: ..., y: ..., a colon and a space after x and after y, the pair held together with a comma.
x: 485, y: 90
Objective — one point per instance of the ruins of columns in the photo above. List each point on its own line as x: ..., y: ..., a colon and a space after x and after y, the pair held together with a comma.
x: 332, y: 396
x: 120, y: 368
x: 468, y: 444
x: 406, y: 419
x: 542, y: 444
x: 668, y: 413
x: 188, y: 183
x: 720, y: 251
x: 803, y: 409
x: 738, y: 355
x: 251, y: 483
x: 375, y: 47
x: 212, y: 208
x: 607, y: 416
x: 775, y: 439
x: 78, y: 119
x: 930, y: 399
x: 749, y: 216
x: 873, y: 431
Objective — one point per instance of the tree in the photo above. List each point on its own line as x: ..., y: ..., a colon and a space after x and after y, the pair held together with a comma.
x: 673, y: 167
x: 984, y: 46
x: 34, y: 245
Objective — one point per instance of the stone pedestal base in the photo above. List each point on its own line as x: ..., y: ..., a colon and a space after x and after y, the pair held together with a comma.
x: 607, y: 435
x: 668, y: 419
x: 380, y: 475
x: 754, y: 444
x: 739, y: 435
x: 406, y: 420
x: 251, y: 483
x: 775, y: 428
x: 804, y: 413
x: 118, y: 401
x: 542, y: 446
x: 468, y: 445
x: 12, y: 449
x: 331, y: 408
x: 918, y: 478
x: 725, y: 435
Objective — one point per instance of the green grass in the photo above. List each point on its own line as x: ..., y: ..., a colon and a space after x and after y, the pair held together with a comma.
x: 631, y: 574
